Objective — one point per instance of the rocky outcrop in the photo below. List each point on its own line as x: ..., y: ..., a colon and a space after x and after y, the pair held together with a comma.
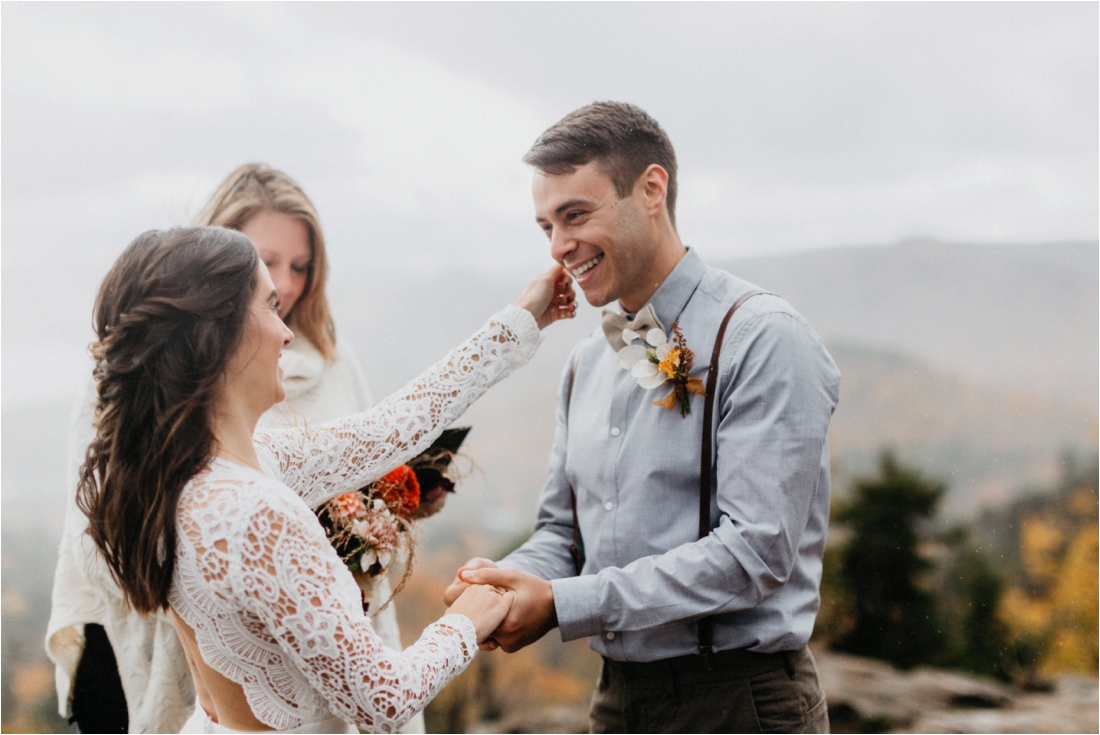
x: 871, y: 696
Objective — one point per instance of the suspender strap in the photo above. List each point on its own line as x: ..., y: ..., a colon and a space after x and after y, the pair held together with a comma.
x: 706, y: 625
x: 575, y: 547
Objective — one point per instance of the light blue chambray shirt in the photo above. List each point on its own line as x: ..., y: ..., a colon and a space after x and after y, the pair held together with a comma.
x: 647, y: 577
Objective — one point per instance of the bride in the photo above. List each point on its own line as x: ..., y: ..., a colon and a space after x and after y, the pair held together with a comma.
x: 196, y: 513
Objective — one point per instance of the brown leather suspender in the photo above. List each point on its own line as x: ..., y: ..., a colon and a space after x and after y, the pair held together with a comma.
x: 706, y: 464
x: 706, y: 625
x: 575, y: 547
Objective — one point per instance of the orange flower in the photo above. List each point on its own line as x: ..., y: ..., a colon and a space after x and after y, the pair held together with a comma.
x: 676, y: 364
x: 400, y: 490
x: 671, y: 363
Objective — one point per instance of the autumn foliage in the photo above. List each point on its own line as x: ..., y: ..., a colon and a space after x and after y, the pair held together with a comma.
x: 1051, y: 604
x: 1014, y: 597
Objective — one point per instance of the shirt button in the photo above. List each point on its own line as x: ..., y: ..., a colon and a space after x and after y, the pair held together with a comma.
x: 614, y: 431
x: 609, y: 636
x: 608, y: 505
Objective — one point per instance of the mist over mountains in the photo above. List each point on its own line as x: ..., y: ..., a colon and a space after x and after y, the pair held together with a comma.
x: 977, y: 362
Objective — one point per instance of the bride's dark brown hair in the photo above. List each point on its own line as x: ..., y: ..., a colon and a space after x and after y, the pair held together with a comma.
x: 169, y: 316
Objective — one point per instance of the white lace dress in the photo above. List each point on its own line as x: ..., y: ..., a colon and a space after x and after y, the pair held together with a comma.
x: 272, y: 606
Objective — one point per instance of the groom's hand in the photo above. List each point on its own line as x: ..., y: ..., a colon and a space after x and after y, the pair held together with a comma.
x: 457, y: 587
x: 532, y: 614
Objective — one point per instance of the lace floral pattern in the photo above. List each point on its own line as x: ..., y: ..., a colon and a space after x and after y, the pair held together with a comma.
x: 272, y: 606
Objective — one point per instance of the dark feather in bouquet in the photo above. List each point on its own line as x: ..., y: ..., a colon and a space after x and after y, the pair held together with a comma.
x: 432, y: 465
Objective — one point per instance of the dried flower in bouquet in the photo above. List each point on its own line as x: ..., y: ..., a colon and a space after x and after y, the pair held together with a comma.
x: 373, y: 527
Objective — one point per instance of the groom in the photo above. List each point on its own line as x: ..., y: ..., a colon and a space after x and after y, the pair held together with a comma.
x: 700, y: 596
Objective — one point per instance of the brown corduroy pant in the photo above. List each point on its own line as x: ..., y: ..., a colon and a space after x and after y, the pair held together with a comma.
x: 737, y: 691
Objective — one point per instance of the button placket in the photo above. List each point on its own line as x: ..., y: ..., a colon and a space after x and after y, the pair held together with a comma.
x: 616, y: 422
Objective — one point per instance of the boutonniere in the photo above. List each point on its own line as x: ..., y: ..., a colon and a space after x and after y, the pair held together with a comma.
x: 659, y: 361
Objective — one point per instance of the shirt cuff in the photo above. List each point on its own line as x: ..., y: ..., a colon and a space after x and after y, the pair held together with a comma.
x: 574, y: 602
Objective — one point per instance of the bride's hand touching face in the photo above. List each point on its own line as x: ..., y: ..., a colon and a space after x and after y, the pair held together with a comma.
x: 549, y: 297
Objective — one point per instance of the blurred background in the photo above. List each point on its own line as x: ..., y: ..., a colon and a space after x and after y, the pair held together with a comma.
x: 919, y: 180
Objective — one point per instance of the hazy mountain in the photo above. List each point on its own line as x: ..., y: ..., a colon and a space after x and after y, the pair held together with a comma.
x: 979, y: 362
x: 989, y: 444
x: 1020, y: 316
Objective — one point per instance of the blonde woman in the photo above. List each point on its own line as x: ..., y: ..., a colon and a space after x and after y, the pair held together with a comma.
x: 323, y: 377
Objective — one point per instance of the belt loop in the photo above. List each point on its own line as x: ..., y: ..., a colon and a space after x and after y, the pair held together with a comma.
x: 788, y: 663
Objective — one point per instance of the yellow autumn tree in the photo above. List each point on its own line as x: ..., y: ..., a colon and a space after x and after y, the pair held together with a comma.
x: 1052, y: 607
x: 1073, y: 607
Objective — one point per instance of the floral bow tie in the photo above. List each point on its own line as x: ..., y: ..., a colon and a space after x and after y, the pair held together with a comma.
x: 614, y: 323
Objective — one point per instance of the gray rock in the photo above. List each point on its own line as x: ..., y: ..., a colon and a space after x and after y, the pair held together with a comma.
x: 871, y: 696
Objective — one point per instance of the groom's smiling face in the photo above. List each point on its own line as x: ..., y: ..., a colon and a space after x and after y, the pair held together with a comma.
x: 601, y: 239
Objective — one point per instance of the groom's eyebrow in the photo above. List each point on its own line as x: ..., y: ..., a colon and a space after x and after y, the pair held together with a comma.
x: 569, y: 204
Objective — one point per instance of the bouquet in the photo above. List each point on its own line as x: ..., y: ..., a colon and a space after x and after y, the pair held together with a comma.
x: 372, y: 527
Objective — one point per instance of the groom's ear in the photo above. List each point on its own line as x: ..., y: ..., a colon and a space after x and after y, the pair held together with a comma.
x: 652, y: 187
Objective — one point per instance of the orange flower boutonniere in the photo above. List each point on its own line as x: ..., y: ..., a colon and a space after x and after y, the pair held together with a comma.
x: 659, y: 362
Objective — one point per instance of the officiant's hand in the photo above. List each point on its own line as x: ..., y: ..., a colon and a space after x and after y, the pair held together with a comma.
x: 532, y: 614
x: 549, y: 297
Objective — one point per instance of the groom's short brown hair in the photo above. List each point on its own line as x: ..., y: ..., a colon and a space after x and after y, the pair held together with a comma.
x: 621, y: 137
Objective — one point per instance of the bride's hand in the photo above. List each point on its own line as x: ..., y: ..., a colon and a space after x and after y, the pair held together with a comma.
x: 485, y: 605
x: 549, y: 297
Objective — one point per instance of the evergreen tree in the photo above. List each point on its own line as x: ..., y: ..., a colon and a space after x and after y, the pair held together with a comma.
x: 895, y: 619
x: 970, y: 598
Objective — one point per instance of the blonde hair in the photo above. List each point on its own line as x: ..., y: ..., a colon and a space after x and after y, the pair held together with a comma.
x: 255, y: 188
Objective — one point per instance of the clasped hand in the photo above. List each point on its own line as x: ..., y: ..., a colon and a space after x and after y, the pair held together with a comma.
x: 532, y: 611
x: 485, y: 605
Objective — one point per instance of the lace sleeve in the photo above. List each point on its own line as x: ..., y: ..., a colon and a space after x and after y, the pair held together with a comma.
x: 274, y: 560
x: 320, y: 462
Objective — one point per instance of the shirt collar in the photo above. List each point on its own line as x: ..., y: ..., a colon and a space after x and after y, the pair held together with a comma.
x: 673, y: 294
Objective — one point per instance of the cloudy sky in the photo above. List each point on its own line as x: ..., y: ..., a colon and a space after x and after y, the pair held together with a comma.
x: 796, y: 125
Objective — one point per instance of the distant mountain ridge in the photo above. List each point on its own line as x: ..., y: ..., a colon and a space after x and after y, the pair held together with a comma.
x: 989, y: 444
x: 978, y: 361
x: 1015, y: 316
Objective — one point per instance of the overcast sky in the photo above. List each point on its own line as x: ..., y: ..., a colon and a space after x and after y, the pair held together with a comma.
x: 796, y: 126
